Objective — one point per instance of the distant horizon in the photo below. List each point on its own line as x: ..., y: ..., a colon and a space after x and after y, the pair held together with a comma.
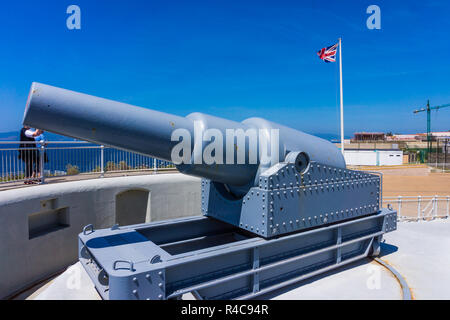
x: 8, y: 135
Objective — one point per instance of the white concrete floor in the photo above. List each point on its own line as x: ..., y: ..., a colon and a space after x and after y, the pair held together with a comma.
x: 422, y: 256
x: 364, y: 280
x: 419, y: 251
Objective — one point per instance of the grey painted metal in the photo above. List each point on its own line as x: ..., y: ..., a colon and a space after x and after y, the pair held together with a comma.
x: 215, y: 260
x: 101, y: 121
x: 289, y: 199
x: 265, y: 225
x: 149, y: 132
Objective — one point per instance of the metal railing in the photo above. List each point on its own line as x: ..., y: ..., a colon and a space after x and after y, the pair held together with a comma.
x: 37, y: 160
x: 440, y: 166
x: 419, y: 207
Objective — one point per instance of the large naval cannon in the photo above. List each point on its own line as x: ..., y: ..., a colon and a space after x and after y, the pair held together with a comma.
x: 278, y: 204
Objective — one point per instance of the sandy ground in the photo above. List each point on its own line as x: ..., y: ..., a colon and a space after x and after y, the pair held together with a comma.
x: 412, y: 181
x: 415, y: 181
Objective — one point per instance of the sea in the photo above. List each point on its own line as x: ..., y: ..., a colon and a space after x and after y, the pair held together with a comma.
x: 69, y: 158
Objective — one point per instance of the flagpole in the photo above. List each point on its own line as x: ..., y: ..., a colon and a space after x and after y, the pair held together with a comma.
x: 342, y: 96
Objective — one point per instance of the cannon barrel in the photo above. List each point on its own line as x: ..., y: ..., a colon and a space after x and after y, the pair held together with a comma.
x: 102, y: 121
x: 149, y: 132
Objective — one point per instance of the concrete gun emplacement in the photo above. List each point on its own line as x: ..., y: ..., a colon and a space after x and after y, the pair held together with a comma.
x: 264, y: 224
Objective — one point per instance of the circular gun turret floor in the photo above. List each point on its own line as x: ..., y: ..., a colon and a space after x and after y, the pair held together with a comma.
x: 417, y: 250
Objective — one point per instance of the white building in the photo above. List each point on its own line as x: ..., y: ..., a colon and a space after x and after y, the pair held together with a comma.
x: 370, y: 157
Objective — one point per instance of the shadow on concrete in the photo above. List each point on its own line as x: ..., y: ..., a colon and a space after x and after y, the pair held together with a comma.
x: 288, y: 288
x: 386, y: 249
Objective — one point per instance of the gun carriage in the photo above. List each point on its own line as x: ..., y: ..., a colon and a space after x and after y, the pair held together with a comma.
x: 264, y: 224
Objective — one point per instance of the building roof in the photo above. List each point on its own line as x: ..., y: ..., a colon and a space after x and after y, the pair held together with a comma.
x: 373, y: 150
x: 370, y: 133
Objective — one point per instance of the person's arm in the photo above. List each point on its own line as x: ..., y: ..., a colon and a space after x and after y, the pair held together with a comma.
x: 31, y: 134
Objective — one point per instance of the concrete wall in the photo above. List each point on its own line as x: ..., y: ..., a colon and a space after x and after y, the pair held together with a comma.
x: 373, y: 157
x: 390, y: 158
x: 39, y: 224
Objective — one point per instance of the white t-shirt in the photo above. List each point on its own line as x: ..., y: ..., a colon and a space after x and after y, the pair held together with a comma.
x: 29, y: 133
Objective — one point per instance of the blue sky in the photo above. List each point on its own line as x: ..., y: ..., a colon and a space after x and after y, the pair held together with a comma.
x: 236, y: 59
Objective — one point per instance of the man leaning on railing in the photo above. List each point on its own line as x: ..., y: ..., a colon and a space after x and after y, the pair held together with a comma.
x: 28, y: 153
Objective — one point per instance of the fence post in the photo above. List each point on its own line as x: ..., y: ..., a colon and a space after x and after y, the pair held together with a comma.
x: 155, y: 165
x: 41, y: 162
x: 419, y: 202
x: 102, y: 161
x: 399, y: 206
x: 435, y: 206
x: 448, y: 201
x: 437, y: 154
